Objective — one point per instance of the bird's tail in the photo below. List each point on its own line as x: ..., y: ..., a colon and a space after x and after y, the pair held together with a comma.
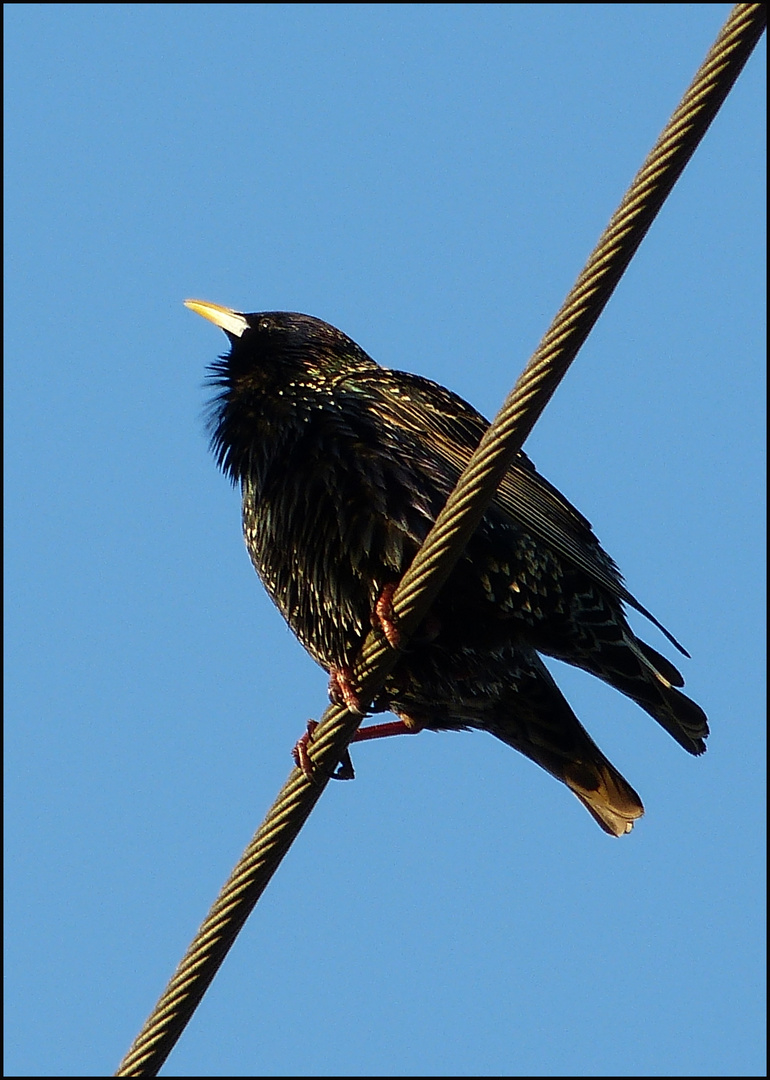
x: 649, y: 679
x: 513, y: 696
x: 537, y: 721
x: 606, y: 795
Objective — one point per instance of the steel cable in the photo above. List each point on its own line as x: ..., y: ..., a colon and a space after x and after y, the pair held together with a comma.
x: 452, y: 530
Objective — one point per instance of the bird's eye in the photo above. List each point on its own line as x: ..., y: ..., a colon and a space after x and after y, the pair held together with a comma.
x: 264, y: 324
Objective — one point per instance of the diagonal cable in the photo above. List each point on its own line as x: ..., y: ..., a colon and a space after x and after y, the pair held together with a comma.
x: 452, y: 530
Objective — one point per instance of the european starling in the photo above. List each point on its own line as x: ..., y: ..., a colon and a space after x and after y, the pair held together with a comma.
x: 343, y: 466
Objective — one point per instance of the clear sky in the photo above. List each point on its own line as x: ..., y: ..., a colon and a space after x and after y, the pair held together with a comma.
x: 429, y: 178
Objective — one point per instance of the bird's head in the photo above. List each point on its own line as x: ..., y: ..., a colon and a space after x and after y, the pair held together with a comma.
x: 282, y: 367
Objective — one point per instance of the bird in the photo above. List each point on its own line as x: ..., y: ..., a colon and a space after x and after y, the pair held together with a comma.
x: 343, y: 466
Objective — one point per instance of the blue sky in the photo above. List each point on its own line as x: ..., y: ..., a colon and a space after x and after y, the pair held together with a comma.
x: 430, y: 178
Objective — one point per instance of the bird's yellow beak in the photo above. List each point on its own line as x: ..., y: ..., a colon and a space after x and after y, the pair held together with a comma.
x: 232, y: 322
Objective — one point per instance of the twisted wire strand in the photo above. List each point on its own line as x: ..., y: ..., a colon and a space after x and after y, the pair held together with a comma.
x: 452, y: 530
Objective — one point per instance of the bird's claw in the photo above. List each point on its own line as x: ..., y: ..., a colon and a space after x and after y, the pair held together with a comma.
x: 384, y: 617
x: 344, y: 770
x: 300, y: 753
x: 342, y: 691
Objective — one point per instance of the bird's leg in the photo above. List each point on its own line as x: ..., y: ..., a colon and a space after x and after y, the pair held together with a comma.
x: 384, y: 617
x: 341, y: 691
x: 406, y: 726
x: 345, y: 770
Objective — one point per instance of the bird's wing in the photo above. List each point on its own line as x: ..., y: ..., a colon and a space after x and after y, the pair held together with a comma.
x: 451, y: 429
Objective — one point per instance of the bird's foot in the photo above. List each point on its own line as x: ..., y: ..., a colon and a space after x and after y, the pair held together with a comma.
x: 300, y: 754
x: 384, y: 617
x: 344, y: 770
x: 342, y: 691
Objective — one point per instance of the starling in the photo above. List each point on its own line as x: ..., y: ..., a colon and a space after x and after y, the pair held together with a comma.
x: 343, y: 466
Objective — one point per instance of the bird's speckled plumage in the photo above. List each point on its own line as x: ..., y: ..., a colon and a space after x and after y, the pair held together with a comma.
x: 343, y: 466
